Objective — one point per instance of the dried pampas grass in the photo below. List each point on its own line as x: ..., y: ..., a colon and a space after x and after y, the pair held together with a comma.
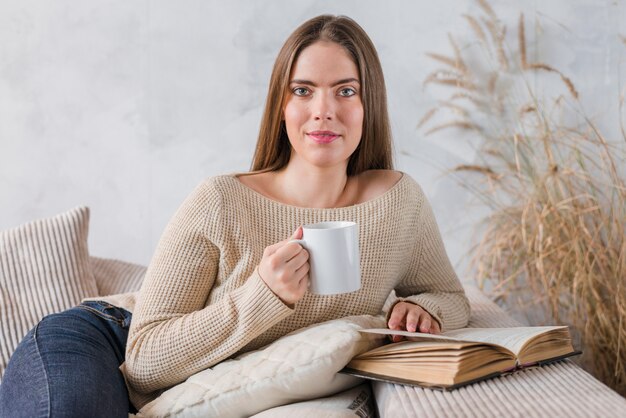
x: 553, y: 248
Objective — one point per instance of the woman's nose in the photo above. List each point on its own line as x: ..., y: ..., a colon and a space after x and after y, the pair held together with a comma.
x: 323, y: 107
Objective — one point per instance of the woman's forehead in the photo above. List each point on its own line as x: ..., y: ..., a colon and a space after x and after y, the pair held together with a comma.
x: 324, y: 61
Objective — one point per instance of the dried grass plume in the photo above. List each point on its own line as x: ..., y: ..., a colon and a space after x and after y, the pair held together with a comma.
x: 554, y: 245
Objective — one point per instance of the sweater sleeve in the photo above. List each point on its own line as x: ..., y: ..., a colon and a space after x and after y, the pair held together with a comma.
x: 430, y: 280
x: 173, y: 335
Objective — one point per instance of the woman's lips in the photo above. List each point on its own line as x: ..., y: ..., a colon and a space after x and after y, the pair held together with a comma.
x: 323, y: 137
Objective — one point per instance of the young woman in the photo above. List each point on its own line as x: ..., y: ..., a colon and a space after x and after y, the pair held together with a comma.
x: 226, y: 278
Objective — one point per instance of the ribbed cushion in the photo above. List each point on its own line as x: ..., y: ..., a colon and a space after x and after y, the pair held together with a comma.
x: 556, y: 390
x: 115, y: 276
x: 44, y: 268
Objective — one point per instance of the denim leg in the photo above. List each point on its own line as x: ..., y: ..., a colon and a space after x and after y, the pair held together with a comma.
x: 25, y: 371
x: 68, y: 366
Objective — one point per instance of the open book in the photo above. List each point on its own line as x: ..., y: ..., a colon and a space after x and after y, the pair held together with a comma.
x: 459, y: 357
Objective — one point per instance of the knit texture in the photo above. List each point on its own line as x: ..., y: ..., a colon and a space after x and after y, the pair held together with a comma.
x: 203, y: 301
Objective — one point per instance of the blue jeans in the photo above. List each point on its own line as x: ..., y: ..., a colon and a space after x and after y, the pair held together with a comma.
x: 68, y: 366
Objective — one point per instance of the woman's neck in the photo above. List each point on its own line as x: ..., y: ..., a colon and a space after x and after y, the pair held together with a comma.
x: 315, y: 187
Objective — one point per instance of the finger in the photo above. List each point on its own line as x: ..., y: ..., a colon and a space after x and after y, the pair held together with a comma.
x: 435, y: 328
x: 425, y: 322
x: 271, y: 249
x: 303, y: 284
x: 299, y: 260
x: 297, y: 234
x: 397, y: 338
x: 302, y: 271
x: 288, y: 251
x: 397, y: 318
x: 412, y: 318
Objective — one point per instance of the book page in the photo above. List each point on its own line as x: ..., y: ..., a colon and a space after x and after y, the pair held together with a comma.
x: 511, y: 338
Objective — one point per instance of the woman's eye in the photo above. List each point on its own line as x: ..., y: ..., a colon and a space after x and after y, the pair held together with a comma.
x: 347, y: 92
x: 300, y: 91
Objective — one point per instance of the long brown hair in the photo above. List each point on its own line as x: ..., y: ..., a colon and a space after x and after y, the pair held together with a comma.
x: 374, y: 151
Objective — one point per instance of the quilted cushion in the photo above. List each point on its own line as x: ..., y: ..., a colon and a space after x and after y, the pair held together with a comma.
x: 300, y: 366
x: 44, y: 268
x: 355, y: 402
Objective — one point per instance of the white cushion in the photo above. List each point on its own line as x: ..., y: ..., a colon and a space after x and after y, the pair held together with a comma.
x: 44, y: 268
x: 300, y: 366
x: 356, y: 402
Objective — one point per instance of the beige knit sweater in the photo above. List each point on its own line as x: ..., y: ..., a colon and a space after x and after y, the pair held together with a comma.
x: 202, y: 300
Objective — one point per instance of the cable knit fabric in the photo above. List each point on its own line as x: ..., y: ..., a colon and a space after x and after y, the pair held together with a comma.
x: 203, y: 301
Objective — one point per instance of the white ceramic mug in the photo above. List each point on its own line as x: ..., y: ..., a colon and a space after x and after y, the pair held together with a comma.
x: 333, y: 256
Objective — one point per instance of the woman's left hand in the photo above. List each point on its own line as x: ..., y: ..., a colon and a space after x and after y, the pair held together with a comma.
x: 406, y: 316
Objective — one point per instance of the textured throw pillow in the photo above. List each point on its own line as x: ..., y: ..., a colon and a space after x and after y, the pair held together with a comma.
x: 356, y: 402
x: 300, y: 366
x: 115, y: 276
x: 44, y: 268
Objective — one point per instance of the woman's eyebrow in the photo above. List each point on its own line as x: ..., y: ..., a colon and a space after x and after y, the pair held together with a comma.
x: 310, y: 83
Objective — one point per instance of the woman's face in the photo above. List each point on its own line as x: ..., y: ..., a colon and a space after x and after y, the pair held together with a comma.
x: 323, y: 110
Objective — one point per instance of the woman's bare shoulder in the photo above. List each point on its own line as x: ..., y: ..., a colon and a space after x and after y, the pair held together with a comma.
x: 374, y: 183
x: 259, y: 181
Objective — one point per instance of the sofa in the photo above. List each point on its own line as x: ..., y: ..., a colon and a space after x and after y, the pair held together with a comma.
x: 45, y: 267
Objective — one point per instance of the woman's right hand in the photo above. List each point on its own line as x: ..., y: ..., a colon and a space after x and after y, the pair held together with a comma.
x: 285, y: 269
